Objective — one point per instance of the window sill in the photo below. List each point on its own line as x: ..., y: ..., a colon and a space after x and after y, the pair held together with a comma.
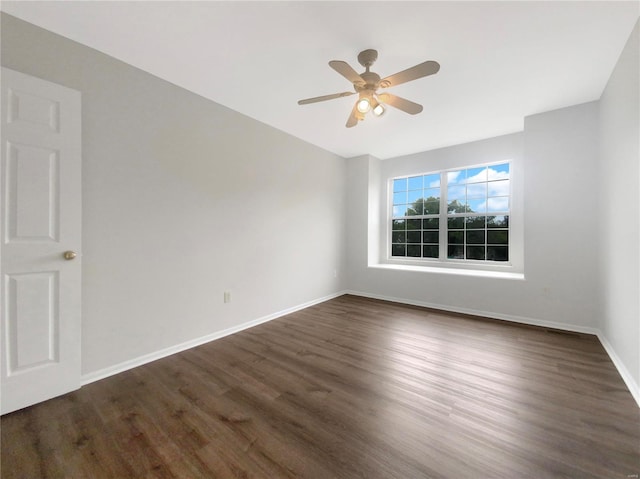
x: 449, y: 270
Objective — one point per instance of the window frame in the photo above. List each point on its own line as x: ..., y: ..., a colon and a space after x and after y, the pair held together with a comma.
x: 515, y: 250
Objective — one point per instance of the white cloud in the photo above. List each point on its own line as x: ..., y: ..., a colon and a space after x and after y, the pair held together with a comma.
x: 498, y: 175
x: 452, y: 176
x: 499, y: 188
x: 498, y: 204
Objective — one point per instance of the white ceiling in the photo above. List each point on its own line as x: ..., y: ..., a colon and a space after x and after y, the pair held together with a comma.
x: 500, y: 61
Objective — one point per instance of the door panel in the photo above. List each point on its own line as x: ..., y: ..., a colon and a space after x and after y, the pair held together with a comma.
x: 41, y: 214
x: 32, y: 190
x: 32, y: 329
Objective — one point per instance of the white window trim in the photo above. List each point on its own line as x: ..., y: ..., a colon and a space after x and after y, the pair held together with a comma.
x: 512, y: 269
x: 449, y: 270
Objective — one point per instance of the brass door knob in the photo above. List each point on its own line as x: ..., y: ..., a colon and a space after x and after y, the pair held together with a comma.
x: 68, y: 255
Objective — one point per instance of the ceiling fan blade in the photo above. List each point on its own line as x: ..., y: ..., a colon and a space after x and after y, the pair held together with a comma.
x: 353, y: 118
x: 346, y: 71
x: 400, y: 103
x: 422, y: 70
x: 325, y: 97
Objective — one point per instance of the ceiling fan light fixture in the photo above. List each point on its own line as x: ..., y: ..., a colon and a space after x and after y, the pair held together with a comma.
x: 363, y: 105
x: 377, y: 108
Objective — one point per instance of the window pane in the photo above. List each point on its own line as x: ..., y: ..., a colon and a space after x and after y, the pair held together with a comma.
x: 432, y: 208
x: 499, y: 172
x: 498, y: 253
x: 431, y: 181
x: 455, y: 237
x: 398, y: 237
x: 456, y: 193
x: 498, y: 237
x: 477, y: 206
x: 477, y: 190
x: 475, y: 222
x: 414, y: 196
x: 430, y: 236
x: 456, y: 177
x: 456, y: 206
x: 497, y: 221
x: 475, y: 237
x: 499, y: 188
x: 415, y: 183
x: 456, y: 223
x: 398, y: 250
x: 399, y: 210
x: 500, y: 203
x: 415, y: 209
x: 432, y: 194
x: 399, y: 185
x: 414, y: 236
x: 475, y: 252
x: 455, y: 252
x: 475, y: 175
x: 397, y: 225
x: 414, y: 250
x: 429, y: 251
x: 414, y: 224
x: 400, y: 198
x: 431, y: 223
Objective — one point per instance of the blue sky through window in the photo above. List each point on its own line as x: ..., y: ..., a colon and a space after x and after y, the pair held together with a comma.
x: 483, y: 189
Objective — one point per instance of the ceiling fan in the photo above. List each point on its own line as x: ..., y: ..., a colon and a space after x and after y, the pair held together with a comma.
x: 367, y: 83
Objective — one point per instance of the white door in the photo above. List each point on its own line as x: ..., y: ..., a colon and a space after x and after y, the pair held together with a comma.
x: 40, y: 212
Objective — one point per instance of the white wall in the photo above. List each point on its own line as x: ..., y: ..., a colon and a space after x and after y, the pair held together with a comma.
x: 182, y: 200
x: 620, y: 211
x: 558, y: 154
x: 561, y: 182
x: 362, y: 207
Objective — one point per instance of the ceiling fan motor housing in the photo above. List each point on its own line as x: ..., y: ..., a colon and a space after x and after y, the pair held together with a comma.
x: 371, y: 81
x: 367, y: 58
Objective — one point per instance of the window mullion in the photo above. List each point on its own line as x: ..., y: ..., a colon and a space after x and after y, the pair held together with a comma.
x: 443, y: 216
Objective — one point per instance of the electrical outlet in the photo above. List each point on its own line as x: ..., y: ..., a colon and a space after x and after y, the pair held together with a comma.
x: 227, y: 296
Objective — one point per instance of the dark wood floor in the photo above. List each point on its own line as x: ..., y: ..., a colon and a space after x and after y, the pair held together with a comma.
x: 350, y: 388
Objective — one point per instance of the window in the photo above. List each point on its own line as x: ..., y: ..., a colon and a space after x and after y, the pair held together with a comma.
x: 415, y: 226
x: 454, y: 215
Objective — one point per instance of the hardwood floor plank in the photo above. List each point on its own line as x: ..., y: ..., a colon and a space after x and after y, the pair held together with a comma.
x: 349, y: 388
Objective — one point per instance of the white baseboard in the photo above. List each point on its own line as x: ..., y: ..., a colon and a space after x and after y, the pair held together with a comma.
x: 622, y: 370
x: 634, y: 389
x: 147, y: 358
x: 485, y: 314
